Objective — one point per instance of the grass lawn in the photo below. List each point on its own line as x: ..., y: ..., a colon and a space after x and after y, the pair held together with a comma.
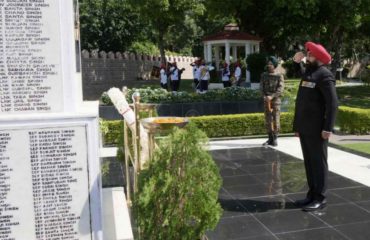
x: 358, y: 96
x: 360, y: 147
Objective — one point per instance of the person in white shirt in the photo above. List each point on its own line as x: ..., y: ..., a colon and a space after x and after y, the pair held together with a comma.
x: 204, y: 77
x: 174, y: 74
x: 163, y: 77
x: 226, y: 75
x: 196, y: 73
x: 238, y: 73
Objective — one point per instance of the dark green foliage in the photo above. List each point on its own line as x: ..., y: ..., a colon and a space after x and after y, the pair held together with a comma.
x: 157, y: 95
x: 256, y: 63
x: 239, y: 125
x: 109, y: 25
x: 178, y: 191
x: 354, y: 120
x: 289, y: 66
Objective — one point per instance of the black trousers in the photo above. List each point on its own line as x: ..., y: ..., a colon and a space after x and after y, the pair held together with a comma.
x: 175, y: 85
x: 164, y: 86
x: 196, y: 84
x: 315, y: 154
x: 203, y: 85
x: 226, y: 84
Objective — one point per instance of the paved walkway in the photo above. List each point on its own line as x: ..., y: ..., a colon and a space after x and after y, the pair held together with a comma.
x: 343, y: 163
x: 347, y: 139
x: 260, y: 185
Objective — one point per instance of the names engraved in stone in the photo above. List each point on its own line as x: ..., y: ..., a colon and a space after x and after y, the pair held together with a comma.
x: 30, y: 69
x: 54, y: 202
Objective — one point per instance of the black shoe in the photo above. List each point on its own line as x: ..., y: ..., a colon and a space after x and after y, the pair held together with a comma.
x: 303, y: 202
x: 314, y: 206
x: 274, y: 140
x: 269, y: 141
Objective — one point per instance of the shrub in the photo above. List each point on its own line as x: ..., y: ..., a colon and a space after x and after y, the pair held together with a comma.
x: 145, y: 48
x: 239, y: 125
x: 217, y: 126
x: 256, y: 65
x: 354, y: 120
x: 177, y: 194
x: 157, y: 95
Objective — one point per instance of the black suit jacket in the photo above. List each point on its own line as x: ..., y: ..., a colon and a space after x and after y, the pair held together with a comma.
x: 317, y: 101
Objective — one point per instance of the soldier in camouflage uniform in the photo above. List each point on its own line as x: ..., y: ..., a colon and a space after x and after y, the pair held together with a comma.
x: 272, y: 86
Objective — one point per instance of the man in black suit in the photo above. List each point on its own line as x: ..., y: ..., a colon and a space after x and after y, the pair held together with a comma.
x: 315, y: 112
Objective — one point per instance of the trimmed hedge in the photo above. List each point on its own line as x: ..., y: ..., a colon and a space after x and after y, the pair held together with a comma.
x: 354, y: 120
x: 157, y: 95
x: 350, y: 120
x: 214, y: 126
x: 239, y: 125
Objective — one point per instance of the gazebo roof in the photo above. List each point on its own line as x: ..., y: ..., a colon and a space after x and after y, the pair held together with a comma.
x: 231, y: 32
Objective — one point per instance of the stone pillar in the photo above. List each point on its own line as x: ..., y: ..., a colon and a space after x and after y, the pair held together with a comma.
x: 209, y: 52
x: 257, y: 47
x: 247, y: 52
x: 227, y: 52
x: 205, y: 51
x: 235, y: 53
x: 217, y: 56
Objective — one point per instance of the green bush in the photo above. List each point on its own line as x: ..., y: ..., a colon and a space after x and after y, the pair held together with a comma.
x: 256, y: 63
x: 145, y: 48
x: 177, y: 194
x: 157, y: 95
x: 216, y: 126
x: 354, y: 120
x: 239, y: 125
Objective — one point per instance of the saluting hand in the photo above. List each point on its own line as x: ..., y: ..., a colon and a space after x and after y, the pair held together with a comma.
x: 298, y: 57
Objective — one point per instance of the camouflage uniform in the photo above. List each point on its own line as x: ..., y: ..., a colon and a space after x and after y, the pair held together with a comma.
x: 272, y: 85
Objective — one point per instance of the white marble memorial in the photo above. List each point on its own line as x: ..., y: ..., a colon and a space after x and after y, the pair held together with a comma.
x: 49, y: 152
x: 37, y: 63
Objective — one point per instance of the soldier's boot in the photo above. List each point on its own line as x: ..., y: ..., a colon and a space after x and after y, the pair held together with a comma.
x: 274, y: 140
x: 269, y: 141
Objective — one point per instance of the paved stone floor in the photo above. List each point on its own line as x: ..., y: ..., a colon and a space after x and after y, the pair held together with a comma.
x: 259, y: 187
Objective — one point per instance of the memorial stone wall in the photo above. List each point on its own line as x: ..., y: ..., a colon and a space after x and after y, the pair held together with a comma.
x: 49, y: 163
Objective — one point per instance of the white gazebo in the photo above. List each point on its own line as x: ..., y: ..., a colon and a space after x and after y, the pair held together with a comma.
x: 218, y: 46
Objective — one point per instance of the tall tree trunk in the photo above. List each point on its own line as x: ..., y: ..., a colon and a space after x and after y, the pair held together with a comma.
x: 161, y: 45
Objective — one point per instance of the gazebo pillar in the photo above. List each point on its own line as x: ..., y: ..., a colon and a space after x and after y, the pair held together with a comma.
x: 227, y: 52
x: 217, y: 56
x: 209, y: 52
x: 235, y: 53
x: 205, y: 51
x: 257, y: 48
x: 247, y: 52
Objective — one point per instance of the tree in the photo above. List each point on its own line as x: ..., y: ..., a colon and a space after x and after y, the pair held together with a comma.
x: 162, y: 14
x: 110, y: 25
x: 340, y: 25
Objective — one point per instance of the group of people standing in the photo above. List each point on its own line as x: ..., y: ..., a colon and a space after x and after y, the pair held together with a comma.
x: 229, y: 79
x: 201, y: 75
x: 171, y: 74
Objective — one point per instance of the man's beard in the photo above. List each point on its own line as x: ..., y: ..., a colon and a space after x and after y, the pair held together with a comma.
x: 312, y: 65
